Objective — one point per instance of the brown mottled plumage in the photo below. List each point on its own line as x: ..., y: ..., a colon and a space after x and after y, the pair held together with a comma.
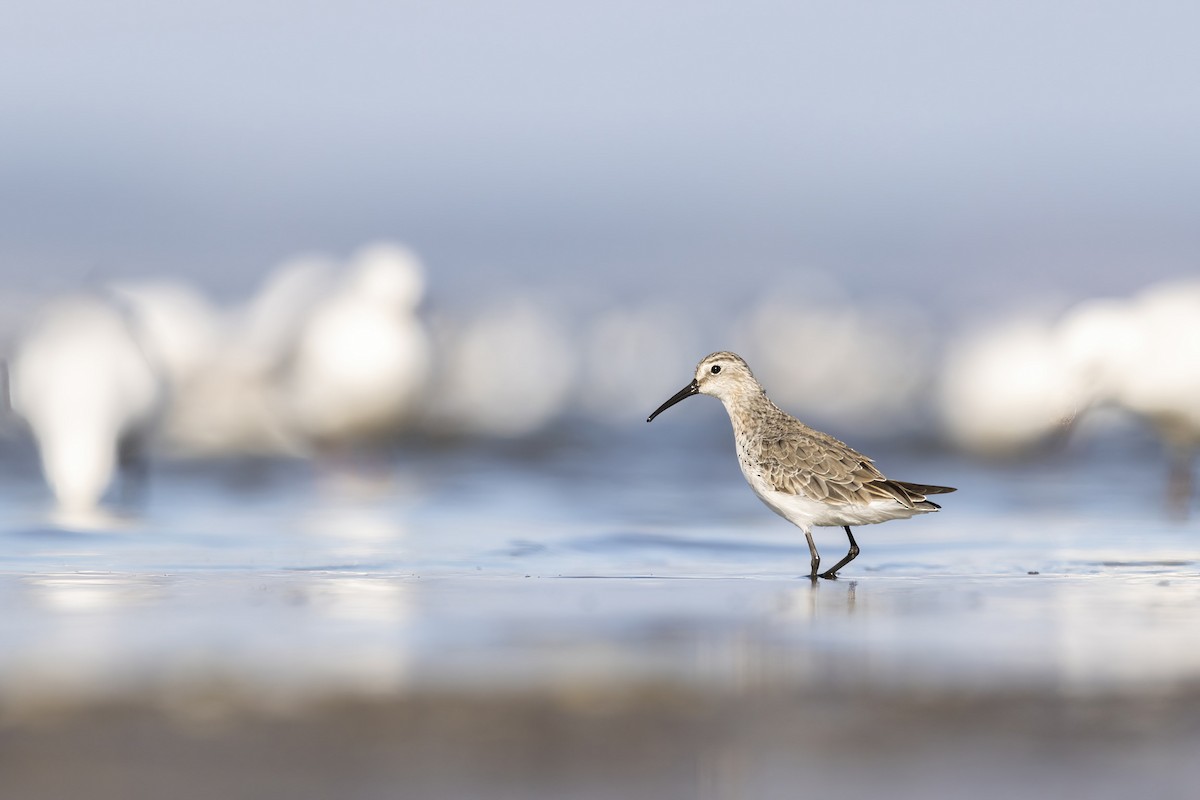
x: 806, y: 476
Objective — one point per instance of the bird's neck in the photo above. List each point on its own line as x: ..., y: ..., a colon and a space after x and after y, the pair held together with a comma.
x: 749, y: 409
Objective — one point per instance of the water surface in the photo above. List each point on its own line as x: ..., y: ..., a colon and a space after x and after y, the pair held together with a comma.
x: 589, y: 569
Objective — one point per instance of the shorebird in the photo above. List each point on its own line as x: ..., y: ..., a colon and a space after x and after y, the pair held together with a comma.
x: 362, y: 358
x: 81, y: 381
x: 807, y: 477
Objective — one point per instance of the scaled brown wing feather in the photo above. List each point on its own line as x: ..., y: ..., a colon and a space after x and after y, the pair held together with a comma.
x: 818, y: 466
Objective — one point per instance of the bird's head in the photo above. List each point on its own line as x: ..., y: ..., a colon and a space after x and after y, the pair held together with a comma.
x: 724, y: 375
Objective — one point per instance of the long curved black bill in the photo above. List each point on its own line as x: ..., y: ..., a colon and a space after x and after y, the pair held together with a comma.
x: 683, y: 394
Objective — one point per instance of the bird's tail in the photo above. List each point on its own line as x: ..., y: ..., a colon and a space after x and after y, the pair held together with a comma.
x: 913, y: 494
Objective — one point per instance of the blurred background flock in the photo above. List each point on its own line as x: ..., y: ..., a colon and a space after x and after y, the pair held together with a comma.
x: 341, y: 358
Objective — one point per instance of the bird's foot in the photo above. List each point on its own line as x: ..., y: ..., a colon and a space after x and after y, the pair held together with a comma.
x: 828, y: 575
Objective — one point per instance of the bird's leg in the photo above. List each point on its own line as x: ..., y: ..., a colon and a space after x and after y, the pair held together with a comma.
x: 135, y: 471
x: 832, y: 573
x: 1179, y: 483
x: 816, y: 557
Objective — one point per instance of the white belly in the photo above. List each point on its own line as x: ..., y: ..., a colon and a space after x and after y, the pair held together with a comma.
x: 807, y: 513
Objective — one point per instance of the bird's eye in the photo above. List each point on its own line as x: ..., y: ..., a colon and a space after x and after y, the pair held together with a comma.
x: 716, y: 368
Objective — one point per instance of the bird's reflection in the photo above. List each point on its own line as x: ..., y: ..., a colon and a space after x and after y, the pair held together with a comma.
x: 813, y: 597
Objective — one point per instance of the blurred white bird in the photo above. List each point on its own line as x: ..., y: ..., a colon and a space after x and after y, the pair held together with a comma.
x: 362, y: 357
x: 264, y: 332
x: 1018, y: 384
x: 1004, y: 390
x: 315, y: 359
x: 178, y: 327
x: 81, y: 381
x: 1142, y: 355
x: 221, y: 400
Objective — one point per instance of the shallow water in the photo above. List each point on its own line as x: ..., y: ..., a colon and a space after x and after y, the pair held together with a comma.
x: 593, y: 562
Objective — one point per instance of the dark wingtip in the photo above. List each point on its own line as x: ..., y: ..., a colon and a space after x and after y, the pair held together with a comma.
x: 924, y: 488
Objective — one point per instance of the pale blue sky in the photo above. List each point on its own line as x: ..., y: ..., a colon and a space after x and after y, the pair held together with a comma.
x: 1017, y: 146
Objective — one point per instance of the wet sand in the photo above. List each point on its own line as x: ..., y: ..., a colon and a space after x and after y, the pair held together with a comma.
x: 604, y: 741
